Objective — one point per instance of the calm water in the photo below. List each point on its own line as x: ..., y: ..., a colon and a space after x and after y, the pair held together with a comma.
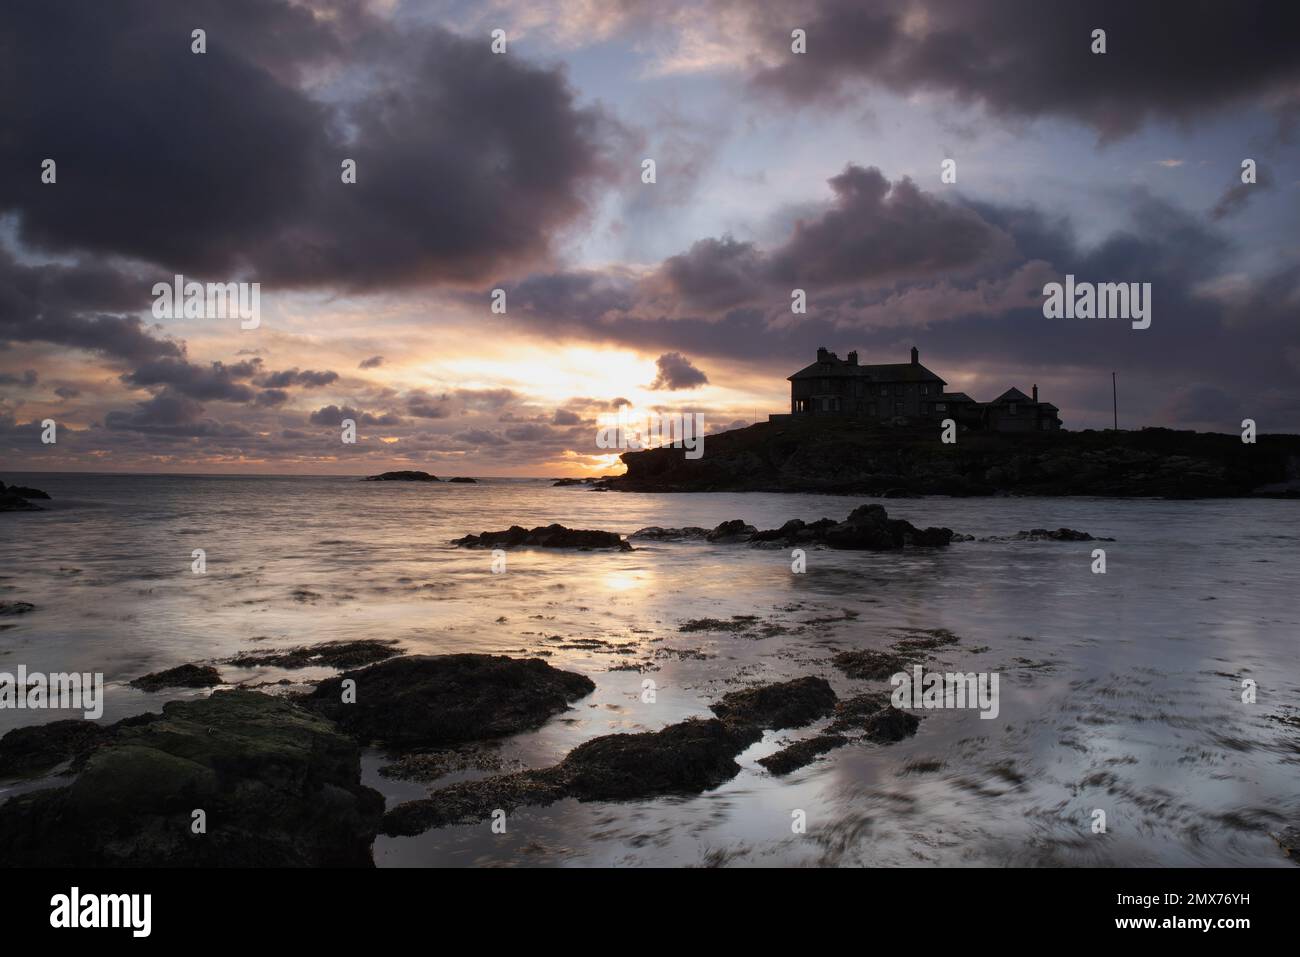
x: 1119, y: 692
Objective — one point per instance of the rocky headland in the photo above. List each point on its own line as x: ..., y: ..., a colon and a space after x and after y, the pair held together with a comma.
x: 845, y: 457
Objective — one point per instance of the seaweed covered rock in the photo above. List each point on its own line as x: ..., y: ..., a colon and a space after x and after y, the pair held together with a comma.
x: 432, y: 700
x: 330, y: 654
x: 867, y: 528
x: 786, y: 704
x: 39, y: 747
x: 550, y: 536
x: 685, y: 758
x: 182, y: 676
x: 278, y: 786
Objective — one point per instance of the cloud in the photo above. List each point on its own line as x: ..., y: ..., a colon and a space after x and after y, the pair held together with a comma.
x: 28, y: 378
x: 676, y: 372
x: 424, y: 406
x: 271, y: 397
x: 467, y: 162
x: 374, y: 362
x: 334, y: 415
x: 1027, y: 59
x: 1235, y: 197
x: 290, y: 377
x: 211, y: 382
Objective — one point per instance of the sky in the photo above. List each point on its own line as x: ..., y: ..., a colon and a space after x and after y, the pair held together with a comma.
x: 523, y: 170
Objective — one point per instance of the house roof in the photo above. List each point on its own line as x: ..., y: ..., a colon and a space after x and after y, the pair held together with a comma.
x: 956, y: 397
x: 1013, y: 395
x: 887, y: 372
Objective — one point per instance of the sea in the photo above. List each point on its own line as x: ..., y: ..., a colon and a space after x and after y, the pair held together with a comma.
x: 1163, y: 693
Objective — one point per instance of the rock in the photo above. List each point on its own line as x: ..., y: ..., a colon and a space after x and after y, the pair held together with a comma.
x: 1289, y: 841
x: 552, y: 536
x: 656, y: 533
x: 279, y: 786
x: 733, y: 531
x: 565, y: 482
x: 868, y: 527
x: 852, y: 713
x: 435, y: 700
x: 1048, y: 535
x: 23, y: 491
x: 867, y: 717
x: 330, y: 654
x: 462, y: 479
x: 868, y: 664
x: 16, y: 607
x: 40, y: 747
x: 13, y: 503
x: 686, y: 758
x: 889, y: 724
x: 787, y: 704
x: 182, y: 676
x: 14, y: 498
x: 408, y: 475
x: 801, y: 753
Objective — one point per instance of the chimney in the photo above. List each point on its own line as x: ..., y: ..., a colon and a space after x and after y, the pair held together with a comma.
x: 1035, y: 391
x: 916, y: 357
x: 853, y: 357
x: 823, y: 355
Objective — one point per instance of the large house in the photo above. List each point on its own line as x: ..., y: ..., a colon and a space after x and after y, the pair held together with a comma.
x: 907, y: 390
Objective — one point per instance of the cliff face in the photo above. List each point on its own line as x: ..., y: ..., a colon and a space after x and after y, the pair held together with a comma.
x: 844, y: 457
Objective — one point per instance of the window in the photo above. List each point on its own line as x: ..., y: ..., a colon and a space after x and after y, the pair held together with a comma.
x: 925, y: 390
x: 884, y: 390
x: 1012, y: 409
x: 941, y: 407
x: 898, y: 408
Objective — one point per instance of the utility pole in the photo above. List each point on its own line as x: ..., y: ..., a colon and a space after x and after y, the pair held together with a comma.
x: 1114, y: 400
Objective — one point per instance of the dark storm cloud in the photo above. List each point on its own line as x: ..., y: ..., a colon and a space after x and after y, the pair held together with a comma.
x: 170, y: 414
x: 72, y: 306
x: 676, y: 372
x: 1026, y: 58
x: 213, y: 381
x: 871, y: 231
x: 270, y: 398
x: 334, y: 415
x: 715, y: 273
x: 466, y: 161
x: 878, y: 230
x: 307, y: 378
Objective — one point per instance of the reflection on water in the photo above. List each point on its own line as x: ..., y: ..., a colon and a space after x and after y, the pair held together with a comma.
x: 1119, y: 692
